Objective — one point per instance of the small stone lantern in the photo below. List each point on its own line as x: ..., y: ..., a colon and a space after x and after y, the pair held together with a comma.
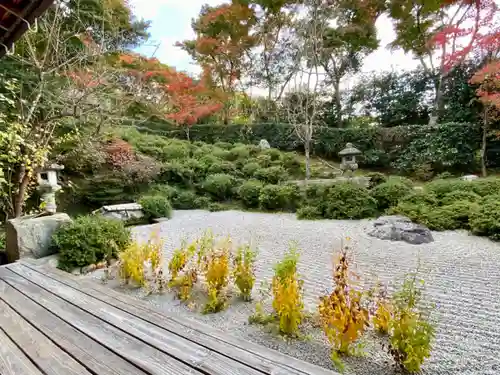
x: 48, y: 186
x: 348, y: 155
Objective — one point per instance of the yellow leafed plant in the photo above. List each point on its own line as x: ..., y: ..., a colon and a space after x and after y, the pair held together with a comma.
x: 287, y: 294
x: 137, y: 257
x: 342, y: 315
x: 183, y: 274
x: 244, y: 271
x: 216, y: 271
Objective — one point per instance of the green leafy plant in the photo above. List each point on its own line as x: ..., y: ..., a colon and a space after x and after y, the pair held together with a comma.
x: 376, y: 178
x: 279, y: 197
x: 410, y: 332
x: 485, y: 220
x: 156, y: 206
x: 271, y: 175
x: 349, y: 201
x: 89, y: 240
x: 389, y: 193
x: 250, y: 168
x: 244, y: 271
x: 342, y: 313
x: 309, y: 213
x: 459, y: 195
x: 287, y: 294
x: 249, y: 192
x: 220, y: 185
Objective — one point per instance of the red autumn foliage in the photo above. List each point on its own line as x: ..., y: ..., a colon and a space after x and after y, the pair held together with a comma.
x: 119, y: 153
x: 183, y: 99
x: 473, y: 29
x: 488, y: 79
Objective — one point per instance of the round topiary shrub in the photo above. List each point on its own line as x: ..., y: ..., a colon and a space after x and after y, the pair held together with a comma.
x: 485, y: 220
x: 309, y: 213
x: 221, y: 166
x: 271, y: 175
x: 420, y: 198
x: 389, y: 193
x: 442, y: 187
x: 184, y: 200
x: 219, y: 185
x: 202, y: 202
x: 156, y: 206
x: 349, y: 201
x: 239, y: 152
x: 459, y: 195
x: 291, y: 162
x: 250, y: 168
x: 264, y: 160
x: 270, y: 197
x: 249, y: 193
x: 88, y: 240
x: 273, y: 153
x: 376, y: 178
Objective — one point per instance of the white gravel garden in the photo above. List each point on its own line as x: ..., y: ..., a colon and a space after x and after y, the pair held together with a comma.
x: 461, y: 273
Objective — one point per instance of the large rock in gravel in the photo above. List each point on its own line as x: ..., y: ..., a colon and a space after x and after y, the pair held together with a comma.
x: 400, y: 228
x: 30, y: 236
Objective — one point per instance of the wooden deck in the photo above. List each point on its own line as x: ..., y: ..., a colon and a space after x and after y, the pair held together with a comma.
x: 51, y: 323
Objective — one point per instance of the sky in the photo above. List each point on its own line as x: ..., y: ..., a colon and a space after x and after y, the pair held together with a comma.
x: 171, y: 22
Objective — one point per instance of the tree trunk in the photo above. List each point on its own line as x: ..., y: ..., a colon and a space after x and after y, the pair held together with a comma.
x: 338, y: 103
x: 308, y: 159
x: 437, y: 108
x: 484, y: 172
x: 19, y: 197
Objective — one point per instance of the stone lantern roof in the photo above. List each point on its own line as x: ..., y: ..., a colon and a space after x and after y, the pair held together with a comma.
x: 349, y: 150
x: 53, y: 167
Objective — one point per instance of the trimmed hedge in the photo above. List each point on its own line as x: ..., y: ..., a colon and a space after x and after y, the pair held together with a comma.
x: 445, y: 146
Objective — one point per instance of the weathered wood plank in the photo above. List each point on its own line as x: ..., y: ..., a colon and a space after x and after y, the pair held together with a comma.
x: 149, y: 359
x: 12, y: 359
x: 180, y: 349
x: 93, y: 356
x: 186, y: 351
x: 260, y: 357
x: 47, y: 356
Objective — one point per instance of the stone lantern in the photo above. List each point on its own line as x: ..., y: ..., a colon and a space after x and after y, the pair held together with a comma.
x: 348, y: 155
x: 48, y: 186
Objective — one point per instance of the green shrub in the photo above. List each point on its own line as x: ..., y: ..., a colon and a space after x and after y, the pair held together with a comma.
x: 216, y: 207
x: 376, y: 178
x: 222, y: 166
x: 164, y: 190
x: 88, y: 240
x: 459, y: 195
x: 250, y: 168
x: 389, y: 193
x: 270, y: 197
x: 184, y: 200
x: 416, y: 212
x: 420, y: 197
x: 223, y: 145
x: 485, y: 186
x: 220, y: 153
x: 273, y: 153
x: 202, y: 202
x: 443, y: 187
x: 271, y: 175
x: 264, y: 160
x: 291, y: 162
x: 220, y: 185
x: 249, y: 192
x: 239, y: 152
x: 309, y: 213
x: 349, y: 201
x: 485, y: 220
x: 156, y: 206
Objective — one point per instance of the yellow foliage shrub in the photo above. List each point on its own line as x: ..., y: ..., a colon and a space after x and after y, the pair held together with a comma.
x: 343, y: 317
x: 287, y: 294
x: 215, y: 264
x: 141, y: 263
x: 244, y: 271
x: 183, y: 274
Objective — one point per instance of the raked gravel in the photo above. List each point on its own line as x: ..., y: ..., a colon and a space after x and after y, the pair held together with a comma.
x: 462, y: 274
